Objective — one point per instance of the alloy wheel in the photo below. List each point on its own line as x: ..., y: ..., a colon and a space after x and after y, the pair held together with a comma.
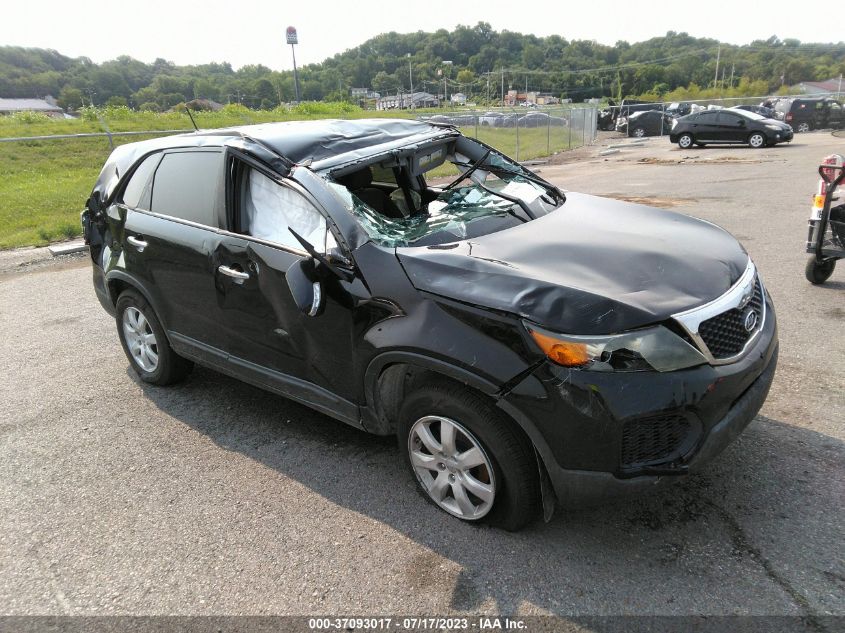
x: 685, y: 141
x: 140, y: 339
x: 452, y: 467
x: 756, y: 141
x: 639, y: 132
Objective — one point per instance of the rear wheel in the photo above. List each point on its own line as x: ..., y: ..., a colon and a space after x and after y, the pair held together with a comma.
x: 639, y: 132
x: 757, y: 140
x: 145, y: 343
x: 819, y: 273
x: 685, y: 141
x: 804, y: 126
x: 468, y: 459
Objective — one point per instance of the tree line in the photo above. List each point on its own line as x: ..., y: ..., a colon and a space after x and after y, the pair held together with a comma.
x: 483, y: 63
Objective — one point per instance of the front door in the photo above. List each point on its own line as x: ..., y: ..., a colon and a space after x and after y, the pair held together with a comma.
x: 265, y: 332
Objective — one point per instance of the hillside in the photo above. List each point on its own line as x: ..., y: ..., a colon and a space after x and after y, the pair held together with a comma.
x: 482, y: 60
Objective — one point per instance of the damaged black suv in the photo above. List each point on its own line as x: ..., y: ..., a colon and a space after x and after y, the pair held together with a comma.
x: 528, y: 347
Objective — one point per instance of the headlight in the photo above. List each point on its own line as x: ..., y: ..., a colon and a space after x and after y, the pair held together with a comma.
x: 649, y: 349
x: 674, y: 123
x: 776, y: 128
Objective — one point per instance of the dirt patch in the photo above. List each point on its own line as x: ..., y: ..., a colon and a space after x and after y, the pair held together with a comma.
x: 717, y: 160
x: 663, y: 203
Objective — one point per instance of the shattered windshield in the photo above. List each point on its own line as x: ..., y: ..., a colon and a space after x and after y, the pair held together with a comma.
x: 490, y: 194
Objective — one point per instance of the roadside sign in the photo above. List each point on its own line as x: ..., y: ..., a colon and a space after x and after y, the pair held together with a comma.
x: 291, y: 35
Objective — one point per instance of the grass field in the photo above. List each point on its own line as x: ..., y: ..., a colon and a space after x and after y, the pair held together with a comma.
x: 44, y: 183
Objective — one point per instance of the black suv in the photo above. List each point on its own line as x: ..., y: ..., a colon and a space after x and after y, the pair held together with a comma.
x: 805, y: 114
x: 524, y: 345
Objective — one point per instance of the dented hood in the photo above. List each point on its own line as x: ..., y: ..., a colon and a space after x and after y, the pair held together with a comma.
x: 594, y: 266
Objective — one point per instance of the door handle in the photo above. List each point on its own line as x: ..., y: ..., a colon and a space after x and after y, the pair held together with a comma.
x: 237, y: 275
x: 137, y: 243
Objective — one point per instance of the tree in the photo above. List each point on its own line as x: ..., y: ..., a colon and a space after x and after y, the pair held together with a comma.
x: 70, y: 98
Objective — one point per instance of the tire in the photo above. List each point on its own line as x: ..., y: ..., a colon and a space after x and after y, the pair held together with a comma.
x: 145, y: 343
x: 502, y: 461
x: 685, y: 141
x: 804, y: 126
x: 701, y: 144
x: 757, y: 140
x: 639, y: 132
x: 819, y: 273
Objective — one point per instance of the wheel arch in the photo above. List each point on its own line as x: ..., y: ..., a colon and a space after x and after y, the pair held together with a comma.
x: 390, y: 375
x: 118, y: 281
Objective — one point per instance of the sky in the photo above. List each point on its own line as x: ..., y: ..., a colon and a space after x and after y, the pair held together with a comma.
x: 253, y: 32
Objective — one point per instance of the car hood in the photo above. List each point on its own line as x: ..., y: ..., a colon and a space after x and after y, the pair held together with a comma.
x: 594, y: 266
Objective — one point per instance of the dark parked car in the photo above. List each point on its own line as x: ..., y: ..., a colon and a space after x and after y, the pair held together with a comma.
x: 649, y: 123
x: 763, y: 111
x: 728, y: 126
x: 608, y: 117
x: 526, y: 347
x: 678, y: 109
x: 807, y: 114
x: 540, y: 119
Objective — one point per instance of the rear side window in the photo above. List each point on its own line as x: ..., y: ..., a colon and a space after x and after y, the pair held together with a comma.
x: 187, y: 186
x: 136, y: 194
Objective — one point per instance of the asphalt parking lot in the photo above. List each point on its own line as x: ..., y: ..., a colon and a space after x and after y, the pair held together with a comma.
x: 213, y: 497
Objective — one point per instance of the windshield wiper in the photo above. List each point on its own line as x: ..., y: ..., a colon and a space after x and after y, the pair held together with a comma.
x: 536, y: 180
x: 468, y: 172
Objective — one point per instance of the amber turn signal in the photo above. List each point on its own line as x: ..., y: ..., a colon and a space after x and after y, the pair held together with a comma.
x: 561, y: 352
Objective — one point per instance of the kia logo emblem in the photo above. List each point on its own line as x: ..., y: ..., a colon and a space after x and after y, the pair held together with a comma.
x: 750, y: 320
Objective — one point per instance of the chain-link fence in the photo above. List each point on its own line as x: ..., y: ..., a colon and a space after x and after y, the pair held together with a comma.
x: 525, y: 134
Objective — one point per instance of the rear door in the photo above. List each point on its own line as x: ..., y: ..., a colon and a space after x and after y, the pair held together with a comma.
x: 172, y: 208
x: 705, y: 127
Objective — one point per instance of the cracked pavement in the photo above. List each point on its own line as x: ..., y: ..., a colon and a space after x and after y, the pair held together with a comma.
x: 212, y: 497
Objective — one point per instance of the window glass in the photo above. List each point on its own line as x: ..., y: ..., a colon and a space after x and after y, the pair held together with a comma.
x: 729, y: 119
x: 268, y: 209
x: 186, y: 186
x: 139, y: 183
x: 707, y: 117
x: 383, y: 174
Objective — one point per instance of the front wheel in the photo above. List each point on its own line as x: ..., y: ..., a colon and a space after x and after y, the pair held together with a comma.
x: 685, y: 141
x: 145, y: 343
x: 639, y: 132
x: 817, y: 273
x: 756, y: 140
x: 467, y: 458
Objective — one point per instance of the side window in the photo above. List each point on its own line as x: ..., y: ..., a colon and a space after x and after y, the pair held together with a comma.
x: 187, y: 186
x: 267, y: 209
x: 729, y: 119
x: 707, y: 118
x: 137, y: 192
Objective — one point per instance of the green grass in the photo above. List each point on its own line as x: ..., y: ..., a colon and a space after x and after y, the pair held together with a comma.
x: 44, y: 183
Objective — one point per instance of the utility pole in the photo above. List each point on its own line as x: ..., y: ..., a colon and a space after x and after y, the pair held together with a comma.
x: 503, y: 86
x: 410, y: 76
x: 488, y: 86
x: 718, y: 56
x: 733, y: 66
x: 447, y: 64
x: 839, y: 92
x: 292, y: 39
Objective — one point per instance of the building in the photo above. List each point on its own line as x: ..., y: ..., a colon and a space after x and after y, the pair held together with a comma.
x: 408, y: 100
x: 363, y: 93
x: 829, y: 88
x: 44, y: 106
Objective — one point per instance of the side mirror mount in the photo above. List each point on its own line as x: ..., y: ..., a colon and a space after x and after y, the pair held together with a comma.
x: 307, y: 293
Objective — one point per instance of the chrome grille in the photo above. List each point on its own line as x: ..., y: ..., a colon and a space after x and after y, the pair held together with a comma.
x: 725, y: 334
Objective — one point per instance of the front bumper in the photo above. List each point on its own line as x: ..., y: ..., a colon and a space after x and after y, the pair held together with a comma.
x: 578, y: 420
